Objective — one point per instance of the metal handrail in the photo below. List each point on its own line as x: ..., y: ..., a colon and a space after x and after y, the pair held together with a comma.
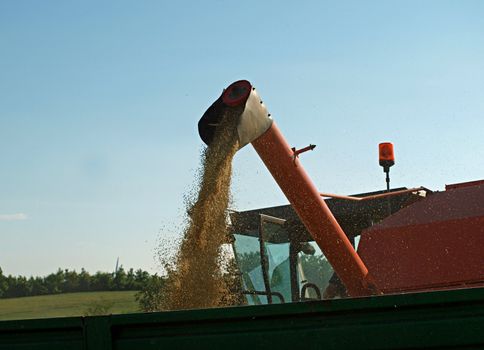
x: 310, y: 285
x: 256, y: 292
x: 376, y: 196
x: 263, y: 257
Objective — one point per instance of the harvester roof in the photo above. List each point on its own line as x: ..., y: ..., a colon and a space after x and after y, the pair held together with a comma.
x: 459, y: 201
x: 353, y: 216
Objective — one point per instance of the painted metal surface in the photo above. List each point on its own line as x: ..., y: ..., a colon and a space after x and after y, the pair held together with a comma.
x: 449, y: 319
x: 52, y: 334
x: 435, y: 243
x: 298, y: 188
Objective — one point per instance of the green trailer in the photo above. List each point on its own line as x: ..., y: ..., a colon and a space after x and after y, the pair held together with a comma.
x: 437, y: 320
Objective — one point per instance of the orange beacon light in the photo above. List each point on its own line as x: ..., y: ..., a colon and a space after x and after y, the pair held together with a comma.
x: 386, y: 155
x: 386, y: 158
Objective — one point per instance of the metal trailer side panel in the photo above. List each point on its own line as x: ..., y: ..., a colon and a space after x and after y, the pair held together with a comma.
x: 447, y: 319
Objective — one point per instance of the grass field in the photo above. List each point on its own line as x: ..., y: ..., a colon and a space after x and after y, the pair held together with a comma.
x: 69, y: 304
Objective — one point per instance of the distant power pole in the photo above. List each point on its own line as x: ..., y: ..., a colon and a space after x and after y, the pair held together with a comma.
x: 116, y: 268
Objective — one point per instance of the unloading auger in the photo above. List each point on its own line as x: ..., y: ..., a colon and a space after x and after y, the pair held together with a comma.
x: 255, y: 126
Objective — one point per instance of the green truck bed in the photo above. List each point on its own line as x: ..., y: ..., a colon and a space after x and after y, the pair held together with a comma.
x: 448, y: 319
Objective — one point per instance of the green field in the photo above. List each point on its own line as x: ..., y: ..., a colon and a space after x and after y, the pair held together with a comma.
x: 69, y: 304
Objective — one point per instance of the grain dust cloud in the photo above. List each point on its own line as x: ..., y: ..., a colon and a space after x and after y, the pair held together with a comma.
x: 196, y: 280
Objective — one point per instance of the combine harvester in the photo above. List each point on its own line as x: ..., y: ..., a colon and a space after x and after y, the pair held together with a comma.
x: 415, y: 279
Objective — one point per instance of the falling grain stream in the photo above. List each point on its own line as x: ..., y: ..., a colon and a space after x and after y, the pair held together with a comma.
x: 196, y: 281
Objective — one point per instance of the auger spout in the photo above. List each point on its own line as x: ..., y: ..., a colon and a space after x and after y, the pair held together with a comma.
x: 242, y: 98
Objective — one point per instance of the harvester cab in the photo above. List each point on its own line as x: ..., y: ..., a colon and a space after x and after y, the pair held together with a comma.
x: 279, y: 260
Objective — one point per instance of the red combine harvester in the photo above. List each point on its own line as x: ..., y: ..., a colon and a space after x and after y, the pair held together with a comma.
x: 379, y: 246
x: 407, y: 239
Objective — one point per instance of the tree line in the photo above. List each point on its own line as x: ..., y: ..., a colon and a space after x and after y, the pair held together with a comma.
x: 70, y: 281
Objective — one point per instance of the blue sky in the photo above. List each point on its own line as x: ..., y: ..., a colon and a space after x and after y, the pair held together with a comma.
x: 99, y: 104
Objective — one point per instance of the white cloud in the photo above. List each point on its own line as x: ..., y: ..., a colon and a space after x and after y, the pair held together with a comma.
x: 13, y: 217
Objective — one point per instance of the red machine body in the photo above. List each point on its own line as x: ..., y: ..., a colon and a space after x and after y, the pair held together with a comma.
x: 436, y: 243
